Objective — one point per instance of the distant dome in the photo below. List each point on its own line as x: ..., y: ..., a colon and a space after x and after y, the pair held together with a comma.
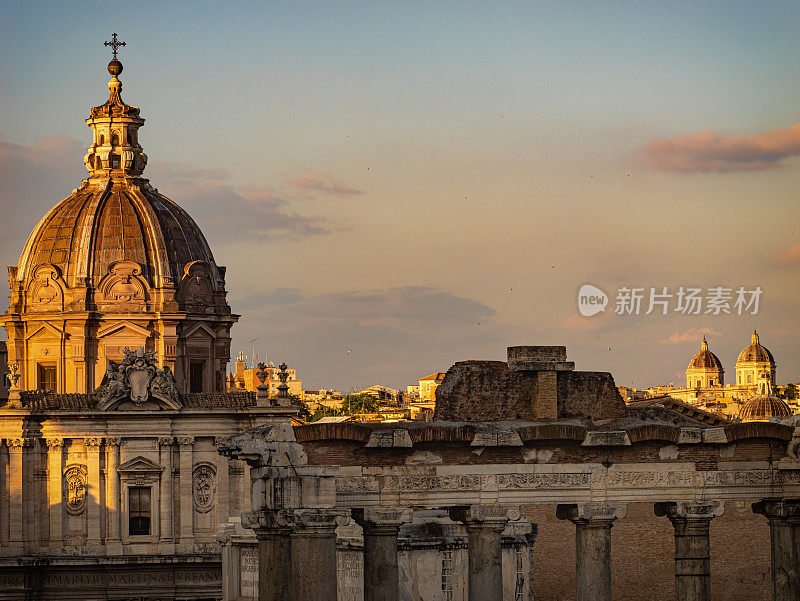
x: 755, y: 353
x: 762, y: 407
x: 705, y: 359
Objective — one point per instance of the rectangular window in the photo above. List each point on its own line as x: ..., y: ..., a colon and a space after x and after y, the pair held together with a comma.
x: 139, y: 510
x: 47, y: 377
x: 196, y: 377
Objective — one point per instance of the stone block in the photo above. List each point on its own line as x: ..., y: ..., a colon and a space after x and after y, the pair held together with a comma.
x: 611, y: 438
x: 691, y: 436
x: 715, y: 436
x: 395, y: 437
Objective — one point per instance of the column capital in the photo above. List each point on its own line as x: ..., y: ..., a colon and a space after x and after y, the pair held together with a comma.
x: 113, y: 441
x: 185, y: 440
x: 15, y: 444
x: 779, y: 509
x: 690, y: 510
x: 485, y: 515
x: 377, y: 519
x: 54, y: 443
x: 317, y: 521
x: 166, y: 441
x: 592, y: 513
x: 93, y: 443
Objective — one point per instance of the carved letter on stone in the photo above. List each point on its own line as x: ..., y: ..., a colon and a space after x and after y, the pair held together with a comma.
x: 75, y: 489
x: 203, y: 488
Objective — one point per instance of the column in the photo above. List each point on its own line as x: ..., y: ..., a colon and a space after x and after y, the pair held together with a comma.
x: 593, y: 523
x: 223, y: 488
x: 55, y: 490
x: 313, y: 553
x: 113, y: 542
x: 381, y: 525
x: 186, y: 444
x: 531, y: 538
x: 691, y: 520
x: 93, y: 499
x: 274, y: 553
x: 165, y: 530
x: 485, y: 525
x: 784, y: 532
x: 15, y: 493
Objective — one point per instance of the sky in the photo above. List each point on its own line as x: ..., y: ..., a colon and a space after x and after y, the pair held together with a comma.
x: 395, y: 187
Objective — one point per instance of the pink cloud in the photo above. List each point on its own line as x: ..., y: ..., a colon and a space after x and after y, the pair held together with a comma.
x: 791, y: 256
x: 322, y: 182
x: 709, y: 150
x: 692, y: 334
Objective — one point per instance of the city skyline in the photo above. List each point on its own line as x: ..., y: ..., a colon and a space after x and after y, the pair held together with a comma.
x: 418, y: 184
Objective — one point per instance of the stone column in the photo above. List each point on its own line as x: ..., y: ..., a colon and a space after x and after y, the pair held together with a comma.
x: 531, y: 538
x: 593, y: 523
x: 485, y: 525
x: 691, y: 520
x: 113, y: 542
x: 93, y: 499
x: 274, y: 553
x: 186, y: 504
x: 313, y: 553
x: 54, y: 490
x: 15, y: 492
x: 166, y: 538
x: 223, y: 487
x: 784, y: 532
x: 381, y: 525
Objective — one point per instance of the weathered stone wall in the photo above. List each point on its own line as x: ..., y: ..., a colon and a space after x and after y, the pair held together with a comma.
x: 490, y: 391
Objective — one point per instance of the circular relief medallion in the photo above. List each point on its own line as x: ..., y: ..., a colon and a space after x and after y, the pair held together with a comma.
x: 75, y: 489
x: 203, y: 488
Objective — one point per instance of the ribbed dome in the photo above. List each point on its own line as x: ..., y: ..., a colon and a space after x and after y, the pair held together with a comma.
x: 705, y: 359
x: 755, y: 353
x: 121, y: 221
x: 761, y: 407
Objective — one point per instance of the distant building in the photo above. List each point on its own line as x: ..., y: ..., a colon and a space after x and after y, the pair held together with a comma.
x: 382, y: 393
x: 244, y: 378
x: 412, y: 391
x: 428, y: 386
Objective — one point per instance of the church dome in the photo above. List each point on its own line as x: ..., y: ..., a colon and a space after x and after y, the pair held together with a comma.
x: 762, y: 407
x: 755, y: 353
x: 705, y: 359
x: 115, y: 222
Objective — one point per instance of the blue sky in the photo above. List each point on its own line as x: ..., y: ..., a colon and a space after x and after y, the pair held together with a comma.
x: 458, y: 168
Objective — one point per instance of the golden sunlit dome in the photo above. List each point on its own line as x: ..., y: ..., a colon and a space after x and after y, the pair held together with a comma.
x: 705, y: 359
x: 755, y: 352
x: 762, y: 407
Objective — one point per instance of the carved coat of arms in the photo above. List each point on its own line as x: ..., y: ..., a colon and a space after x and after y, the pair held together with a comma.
x: 138, y: 378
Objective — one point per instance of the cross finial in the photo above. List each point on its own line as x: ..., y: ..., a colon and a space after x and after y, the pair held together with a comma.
x: 115, y: 44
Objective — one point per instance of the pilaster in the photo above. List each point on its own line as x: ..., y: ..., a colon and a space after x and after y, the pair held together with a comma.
x: 113, y: 498
x: 186, y: 447
x: 166, y: 538
x: 94, y: 499
x: 55, y: 489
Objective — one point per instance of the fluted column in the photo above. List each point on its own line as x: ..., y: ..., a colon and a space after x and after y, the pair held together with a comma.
x: 691, y: 520
x: 485, y: 525
x: 55, y: 490
x: 92, y: 445
x: 166, y: 537
x: 784, y: 531
x: 593, y: 523
x: 113, y: 542
x: 15, y: 493
x: 380, y: 526
x: 223, y: 490
x: 186, y: 444
x: 313, y: 553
